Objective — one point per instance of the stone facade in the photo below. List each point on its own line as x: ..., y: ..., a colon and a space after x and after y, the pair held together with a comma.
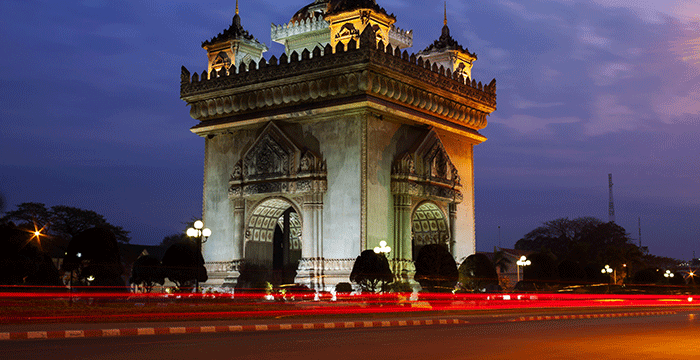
x: 315, y: 156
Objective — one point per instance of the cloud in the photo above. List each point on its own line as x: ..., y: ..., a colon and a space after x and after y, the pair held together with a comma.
x: 610, y: 116
x: 587, y: 35
x: 534, y: 125
x: 520, y: 103
x: 609, y: 73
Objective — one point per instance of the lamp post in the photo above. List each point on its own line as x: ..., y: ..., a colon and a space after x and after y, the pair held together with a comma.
x: 200, y: 233
x: 382, y: 248
x: 607, y: 270
x: 668, y: 275
x: 523, y: 261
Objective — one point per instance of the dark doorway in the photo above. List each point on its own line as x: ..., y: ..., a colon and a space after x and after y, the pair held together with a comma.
x: 285, y: 255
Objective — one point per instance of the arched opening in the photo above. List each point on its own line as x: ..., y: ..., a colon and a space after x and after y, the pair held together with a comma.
x: 429, y: 226
x: 273, y: 240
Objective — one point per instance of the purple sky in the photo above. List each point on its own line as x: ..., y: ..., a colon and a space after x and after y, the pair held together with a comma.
x: 89, y: 95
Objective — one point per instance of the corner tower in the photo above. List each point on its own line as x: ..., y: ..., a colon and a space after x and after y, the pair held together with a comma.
x: 232, y: 47
x: 447, y: 52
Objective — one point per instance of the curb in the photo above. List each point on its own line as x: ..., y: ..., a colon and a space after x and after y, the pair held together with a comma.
x: 96, y: 333
x: 591, y: 316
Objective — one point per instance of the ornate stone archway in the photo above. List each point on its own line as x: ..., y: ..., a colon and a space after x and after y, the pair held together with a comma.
x: 429, y: 226
x: 424, y: 175
x: 277, y: 172
x: 273, y: 238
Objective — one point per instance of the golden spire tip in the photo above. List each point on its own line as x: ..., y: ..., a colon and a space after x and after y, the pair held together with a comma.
x: 445, y: 12
x: 236, y: 7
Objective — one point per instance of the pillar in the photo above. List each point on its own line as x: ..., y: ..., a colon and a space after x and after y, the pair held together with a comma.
x: 453, y: 228
x: 311, y: 264
x: 402, y: 232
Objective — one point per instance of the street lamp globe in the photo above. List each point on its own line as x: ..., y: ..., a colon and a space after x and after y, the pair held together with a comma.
x: 206, y: 232
x: 198, y: 224
x: 191, y: 232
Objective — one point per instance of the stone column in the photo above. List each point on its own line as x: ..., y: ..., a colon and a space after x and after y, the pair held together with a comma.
x: 239, y: 229
x: 402, y: 232
x: 311, y: 264
x: 453, y: 228
x: 238, y: 244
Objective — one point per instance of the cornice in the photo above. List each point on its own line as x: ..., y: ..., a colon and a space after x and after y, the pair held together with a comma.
x: 325, y: 74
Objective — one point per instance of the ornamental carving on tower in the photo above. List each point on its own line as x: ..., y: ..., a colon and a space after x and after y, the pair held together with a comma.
x: 426, y: 171
x: 274, y: 164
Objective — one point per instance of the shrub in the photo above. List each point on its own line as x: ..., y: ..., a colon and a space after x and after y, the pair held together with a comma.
x: 371, y: 269
x: 477, y: 273
x: 436, y: 269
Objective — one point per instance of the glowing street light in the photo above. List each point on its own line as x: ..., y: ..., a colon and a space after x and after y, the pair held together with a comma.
x: 668, y: 274
x: 382, y: 248
x: 200, y: 233
x: 522, y: 262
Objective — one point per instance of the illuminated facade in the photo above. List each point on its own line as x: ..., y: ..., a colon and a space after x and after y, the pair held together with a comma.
x: 341, y: 142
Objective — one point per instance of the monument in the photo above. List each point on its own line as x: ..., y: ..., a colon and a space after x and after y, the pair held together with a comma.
x: 344, y: 140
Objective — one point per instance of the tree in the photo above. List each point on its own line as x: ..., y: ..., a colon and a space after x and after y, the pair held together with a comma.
x: 371, y: 269
x: 62, y: 221
x: 571, y: 272
x: 477, y: 273
x: 147, y: 272
x: 557, y: 236
x: 67, y: 221
x: 93, y: 257
x: 542, y: 269
x: 23, y: 261
x: 172, y: 239
x: 183, y: 264
x: 2, y: 203
x: 436, y: 269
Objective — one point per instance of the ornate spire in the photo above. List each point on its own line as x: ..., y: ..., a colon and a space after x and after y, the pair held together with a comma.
x: 445, y: 12
x: 236, y: 7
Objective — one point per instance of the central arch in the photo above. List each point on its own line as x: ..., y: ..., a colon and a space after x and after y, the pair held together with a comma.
x: 273, y: 239
x: 430, y: 226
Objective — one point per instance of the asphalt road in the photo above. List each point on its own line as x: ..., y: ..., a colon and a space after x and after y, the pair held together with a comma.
x: 640, y: 338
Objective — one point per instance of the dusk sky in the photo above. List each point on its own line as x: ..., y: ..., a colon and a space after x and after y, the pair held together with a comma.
x: 92, y: 118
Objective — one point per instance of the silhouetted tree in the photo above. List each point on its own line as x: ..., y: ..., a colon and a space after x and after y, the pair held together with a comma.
x: 94, y: 254
x: 172, y: 239
x: 183, y: 264
x: 436, y: 269
x: 62, y: 221
x: 147, y: 272
x: 23, y: 260
x: 648, y: 276
x: 543, y: 268
x: 371, y: 269
x: 556, y: 236
x: 570, y: 272
x: 477, y: 273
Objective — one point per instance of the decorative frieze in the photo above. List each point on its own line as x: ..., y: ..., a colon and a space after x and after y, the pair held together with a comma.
x: 426, y: 171
x: 275, y: 164
x: 279, y: 32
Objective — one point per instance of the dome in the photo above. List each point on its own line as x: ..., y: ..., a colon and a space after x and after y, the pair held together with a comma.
x: 339, y: 6
x: 310, y: 11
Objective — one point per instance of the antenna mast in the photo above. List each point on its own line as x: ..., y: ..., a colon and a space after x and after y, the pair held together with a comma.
x: 640, y: 231
x: 611, y: 205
